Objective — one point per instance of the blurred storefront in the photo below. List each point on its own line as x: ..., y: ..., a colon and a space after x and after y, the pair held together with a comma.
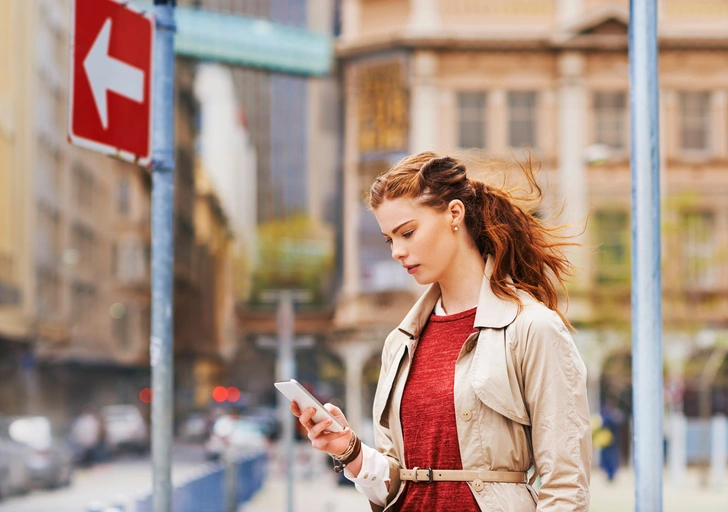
x: 552, y: 77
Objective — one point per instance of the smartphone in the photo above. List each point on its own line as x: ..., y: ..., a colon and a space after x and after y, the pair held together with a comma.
x: 293, y: 390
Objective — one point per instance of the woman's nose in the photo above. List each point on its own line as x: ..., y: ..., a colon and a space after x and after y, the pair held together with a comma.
x: 398, y: 252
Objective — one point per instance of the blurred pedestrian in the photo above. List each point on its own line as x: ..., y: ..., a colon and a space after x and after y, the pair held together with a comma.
x: 87, y: 437
x: 612, y: 419
x: 482, y: 379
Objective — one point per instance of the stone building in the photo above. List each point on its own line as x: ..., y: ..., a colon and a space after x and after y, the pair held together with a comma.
x: 551, y: 76
x: 75, y: 240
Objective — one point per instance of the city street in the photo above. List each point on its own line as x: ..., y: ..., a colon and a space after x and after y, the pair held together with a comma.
x: 124, y: 478
x: 316, y: 488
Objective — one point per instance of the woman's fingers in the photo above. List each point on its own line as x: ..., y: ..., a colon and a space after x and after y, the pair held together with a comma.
x: 318, y: 429
x: 305, y: 418
x: 295, y: 409
x: 336, y: 412
x: 324, y: 439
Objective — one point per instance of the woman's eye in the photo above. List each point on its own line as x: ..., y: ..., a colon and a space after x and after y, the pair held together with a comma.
x: 408, y: 234
x: 388, y: 241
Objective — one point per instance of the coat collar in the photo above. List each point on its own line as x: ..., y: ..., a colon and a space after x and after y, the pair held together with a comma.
x: 493, y: 312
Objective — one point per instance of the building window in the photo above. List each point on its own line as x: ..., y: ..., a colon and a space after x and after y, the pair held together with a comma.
x: 130, y: 259
x: 471, y: 119
x: 612, y: 239
x: 695, y: 121
x: 84, y: 241
x: 120, y: 319
x: 123, y: 197
x: 48, y: 292
x: 698, y: 250
x: 83, y: 189
x: 48, y: 237
x: 610, y: 119
x: 83, y: 304
x: 522, y: 119
x: 383, y: 107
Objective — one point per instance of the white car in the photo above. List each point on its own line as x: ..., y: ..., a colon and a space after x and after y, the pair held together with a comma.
x: 48, y: 458
x: 125, y: 428
x: 235, y: 436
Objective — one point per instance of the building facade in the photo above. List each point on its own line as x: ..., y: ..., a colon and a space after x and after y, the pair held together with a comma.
x: 552, y: 78
x: 75, y: 243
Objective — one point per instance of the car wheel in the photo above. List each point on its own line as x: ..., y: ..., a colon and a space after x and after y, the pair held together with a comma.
x: 69, y: 479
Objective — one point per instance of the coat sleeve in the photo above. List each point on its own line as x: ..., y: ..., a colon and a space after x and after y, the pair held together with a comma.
x: 554, y: 378
x: 382, y: 434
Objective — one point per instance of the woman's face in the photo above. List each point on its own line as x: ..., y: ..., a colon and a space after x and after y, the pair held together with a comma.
x: 422, y: 239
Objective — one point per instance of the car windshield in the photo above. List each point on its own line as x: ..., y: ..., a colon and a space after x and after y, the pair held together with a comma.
x: 120, y: 414
x: 246, y: 426
x: 226, y: 425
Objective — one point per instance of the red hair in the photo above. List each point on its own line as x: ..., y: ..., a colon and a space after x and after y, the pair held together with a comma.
x: 522, y: 247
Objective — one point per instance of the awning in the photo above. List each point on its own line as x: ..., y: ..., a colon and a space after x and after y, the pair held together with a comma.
x: 251, y: 42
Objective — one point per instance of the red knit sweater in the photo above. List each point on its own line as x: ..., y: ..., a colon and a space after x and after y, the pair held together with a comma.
x: 428, y: 416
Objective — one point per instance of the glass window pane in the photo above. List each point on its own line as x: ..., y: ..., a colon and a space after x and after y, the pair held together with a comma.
x: 610, y: 119
x: 695, y: 121
x: 522, y: 119
x: 471, y: 119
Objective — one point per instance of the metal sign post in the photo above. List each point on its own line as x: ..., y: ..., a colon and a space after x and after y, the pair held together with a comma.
x: 286, y: 344
x: 161, y: 343
x: 285, y: 318
x: 646, y: 270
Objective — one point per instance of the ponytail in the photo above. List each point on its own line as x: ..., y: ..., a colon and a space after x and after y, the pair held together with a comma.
x: 522, y: 248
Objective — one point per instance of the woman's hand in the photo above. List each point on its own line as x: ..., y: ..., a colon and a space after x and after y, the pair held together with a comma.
x: 334, y: 443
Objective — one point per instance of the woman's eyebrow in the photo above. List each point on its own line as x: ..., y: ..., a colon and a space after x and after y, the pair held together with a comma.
x: 394, y: 231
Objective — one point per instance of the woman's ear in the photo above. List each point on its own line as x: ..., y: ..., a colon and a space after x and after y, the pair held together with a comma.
x: 456, y: 210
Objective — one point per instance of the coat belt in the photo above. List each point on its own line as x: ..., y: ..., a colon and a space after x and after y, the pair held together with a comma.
x: 454, y: 475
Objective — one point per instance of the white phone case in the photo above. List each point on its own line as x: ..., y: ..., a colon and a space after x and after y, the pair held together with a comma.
x: 293, y: 390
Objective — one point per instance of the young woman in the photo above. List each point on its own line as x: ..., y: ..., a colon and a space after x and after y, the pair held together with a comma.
x: 481, y: 380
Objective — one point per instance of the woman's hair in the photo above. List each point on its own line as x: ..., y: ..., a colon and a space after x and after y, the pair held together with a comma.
x: 522, y: 247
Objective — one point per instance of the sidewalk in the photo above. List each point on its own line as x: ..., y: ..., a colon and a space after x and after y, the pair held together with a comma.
x: 690, y: 497
x: 316, y: 490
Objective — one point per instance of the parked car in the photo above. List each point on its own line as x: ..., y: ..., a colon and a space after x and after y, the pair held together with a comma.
x: 267, y: 420
x: 195, y: 428
x: 4, y: 478
x: 124, y: 428
x: 232, y: 434
x: 48, y: 458
x: 14, y: 472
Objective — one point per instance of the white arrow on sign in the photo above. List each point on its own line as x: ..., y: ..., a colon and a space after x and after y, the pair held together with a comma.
x: 105, y: 73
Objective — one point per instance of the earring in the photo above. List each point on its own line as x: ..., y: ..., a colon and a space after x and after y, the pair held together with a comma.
x: 455, y: 228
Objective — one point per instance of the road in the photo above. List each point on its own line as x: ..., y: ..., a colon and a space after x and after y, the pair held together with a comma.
x: 125, y: 477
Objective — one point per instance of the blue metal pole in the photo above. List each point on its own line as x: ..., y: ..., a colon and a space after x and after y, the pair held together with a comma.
x: 646, y: 271
x: 161, y: 341
x: 285, y: 319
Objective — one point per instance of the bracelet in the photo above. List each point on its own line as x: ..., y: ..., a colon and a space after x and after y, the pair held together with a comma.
x: 349, y: 456
x: 348, y: 450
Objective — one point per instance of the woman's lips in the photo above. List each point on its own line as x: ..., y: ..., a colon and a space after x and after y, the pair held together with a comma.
x: 413, y: 269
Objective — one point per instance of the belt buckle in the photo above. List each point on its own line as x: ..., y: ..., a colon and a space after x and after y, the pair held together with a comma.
x: 429, y: 475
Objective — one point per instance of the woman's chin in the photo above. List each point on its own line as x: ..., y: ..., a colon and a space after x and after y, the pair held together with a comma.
x: 423, y: 279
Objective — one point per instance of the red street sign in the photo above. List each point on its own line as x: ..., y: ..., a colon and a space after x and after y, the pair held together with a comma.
x: 111, y: 79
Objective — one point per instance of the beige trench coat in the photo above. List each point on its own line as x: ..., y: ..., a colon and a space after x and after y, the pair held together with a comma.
x: 520, y: 400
